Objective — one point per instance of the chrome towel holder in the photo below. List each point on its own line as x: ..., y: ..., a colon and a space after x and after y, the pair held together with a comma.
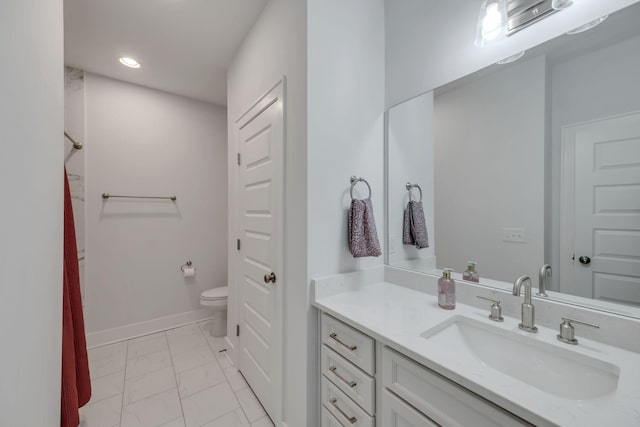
x: 354, y: 180
x: 77, y: 145
x: 409, y: 186
x: 107, y: 196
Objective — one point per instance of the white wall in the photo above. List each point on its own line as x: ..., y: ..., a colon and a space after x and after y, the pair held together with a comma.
x: 410, y: 158
x: 277, y: 47
x: 430, y: 42
x: 599, y: 84
x: 346, y: 137
x: 31, y: 221
x: 489, y: 171
x: 141, y: 141
x: 346, y: 126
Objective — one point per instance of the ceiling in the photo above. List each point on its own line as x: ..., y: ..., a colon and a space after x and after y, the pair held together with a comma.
x: 618, y: 27
x: 184, y: 46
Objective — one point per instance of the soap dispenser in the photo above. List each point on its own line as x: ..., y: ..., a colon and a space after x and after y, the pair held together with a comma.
x: 447, y: 290
x: 470, y: 273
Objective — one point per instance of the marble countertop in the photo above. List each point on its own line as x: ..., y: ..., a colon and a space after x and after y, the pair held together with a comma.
x: 396, y: 316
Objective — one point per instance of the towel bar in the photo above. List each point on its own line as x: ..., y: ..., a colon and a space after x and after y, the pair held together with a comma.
x: 77, y: 145
x: 108, y: 196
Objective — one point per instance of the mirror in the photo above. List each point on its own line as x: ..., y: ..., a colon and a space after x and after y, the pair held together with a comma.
x: 528, y: 163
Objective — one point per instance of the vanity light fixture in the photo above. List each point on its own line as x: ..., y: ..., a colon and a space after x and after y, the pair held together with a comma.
x: 492, y: 22
x: 129, y: 62
x: 503, y: 18
x: 588, y: 25
x: 511, y: 58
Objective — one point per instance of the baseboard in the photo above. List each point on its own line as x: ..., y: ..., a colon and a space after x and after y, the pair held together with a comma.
x: 121, y: 333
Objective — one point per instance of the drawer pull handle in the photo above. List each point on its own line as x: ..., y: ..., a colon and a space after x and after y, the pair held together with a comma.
x: 334, y: 402
x: 351, y: 384
x: 335, y: 337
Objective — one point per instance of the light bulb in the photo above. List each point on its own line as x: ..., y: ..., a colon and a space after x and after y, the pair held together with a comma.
x: 492, y: 22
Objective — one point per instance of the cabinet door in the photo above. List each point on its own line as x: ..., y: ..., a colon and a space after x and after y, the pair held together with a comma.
x: 352, y: 381
x: 352, y: 344
x: 396, y: 413
x: 328, y: 420
x: 442, y: 400
x: 342, y: 407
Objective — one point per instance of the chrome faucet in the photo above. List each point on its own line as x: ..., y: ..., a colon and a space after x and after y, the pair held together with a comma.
x: 545, y: 273
x: 528, y: 310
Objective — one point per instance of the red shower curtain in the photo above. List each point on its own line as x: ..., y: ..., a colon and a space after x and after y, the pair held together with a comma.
x: 76, y: 385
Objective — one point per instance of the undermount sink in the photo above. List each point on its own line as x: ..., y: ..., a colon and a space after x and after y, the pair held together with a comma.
x: 554, y: 370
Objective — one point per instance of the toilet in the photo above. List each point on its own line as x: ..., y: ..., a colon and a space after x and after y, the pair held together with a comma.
x: 216, y: 298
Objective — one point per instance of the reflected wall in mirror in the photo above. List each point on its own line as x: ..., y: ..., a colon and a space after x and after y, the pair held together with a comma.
x: 527, y: 163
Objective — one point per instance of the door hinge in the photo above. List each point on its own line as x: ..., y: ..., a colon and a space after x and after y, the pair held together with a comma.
x: 237, y: 330
x: 238, y: 244
x: 238, y: 159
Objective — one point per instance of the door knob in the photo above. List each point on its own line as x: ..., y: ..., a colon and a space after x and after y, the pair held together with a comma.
x: 584, y: 260
x: 270, y: 277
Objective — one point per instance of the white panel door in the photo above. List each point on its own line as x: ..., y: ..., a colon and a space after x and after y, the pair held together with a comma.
x: 607, y: 209
x: 259, y: 275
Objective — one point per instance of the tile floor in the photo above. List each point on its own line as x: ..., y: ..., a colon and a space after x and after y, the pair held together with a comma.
x: 176, y: 378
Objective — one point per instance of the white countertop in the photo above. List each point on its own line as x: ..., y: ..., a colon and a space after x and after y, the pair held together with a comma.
x: 396, y: 316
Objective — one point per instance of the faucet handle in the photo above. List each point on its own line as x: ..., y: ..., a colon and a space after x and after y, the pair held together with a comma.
x: 496, y: 310
x: 567, y: 331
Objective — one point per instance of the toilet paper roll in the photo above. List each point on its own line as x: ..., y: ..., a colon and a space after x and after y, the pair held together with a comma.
x: 189, y: 272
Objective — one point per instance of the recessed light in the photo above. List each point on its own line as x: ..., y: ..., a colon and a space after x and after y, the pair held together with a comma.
x: 511, y: 58
x: 561, y: 4
x: 588, y: 25
x: 129, y: 62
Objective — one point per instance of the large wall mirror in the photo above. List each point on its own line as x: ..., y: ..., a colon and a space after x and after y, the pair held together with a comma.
x: 532, y: 162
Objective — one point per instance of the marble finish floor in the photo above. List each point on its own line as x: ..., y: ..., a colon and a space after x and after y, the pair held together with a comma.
x: 176, y: 378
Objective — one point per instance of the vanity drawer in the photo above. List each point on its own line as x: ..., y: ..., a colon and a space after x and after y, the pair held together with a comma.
x: 328, y: 420
x: 440, y: 399
x: 359, y: 386
x: 343, y: 408
x: 396, y: 413
x: 355, y: 346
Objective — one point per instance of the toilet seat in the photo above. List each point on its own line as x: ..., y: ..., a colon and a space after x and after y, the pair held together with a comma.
x: 215, y: 294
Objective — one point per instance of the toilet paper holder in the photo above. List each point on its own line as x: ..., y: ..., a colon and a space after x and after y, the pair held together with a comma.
x: 188, y: 264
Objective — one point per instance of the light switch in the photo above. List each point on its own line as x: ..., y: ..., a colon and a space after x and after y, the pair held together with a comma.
x: 514, y: 235
x: 393, y: 241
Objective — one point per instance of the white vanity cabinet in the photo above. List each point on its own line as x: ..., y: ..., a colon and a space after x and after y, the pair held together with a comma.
x: 356, y: 384
x: 395, y: 412
x: 408, y: 394
x: 350, y: 343
x: 443, y: 401
x: 347, y: 360
x: 328, y: 420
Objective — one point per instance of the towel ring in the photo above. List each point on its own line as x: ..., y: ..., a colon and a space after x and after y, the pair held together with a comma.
x: 354, y: 180
x: 409, y: 186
